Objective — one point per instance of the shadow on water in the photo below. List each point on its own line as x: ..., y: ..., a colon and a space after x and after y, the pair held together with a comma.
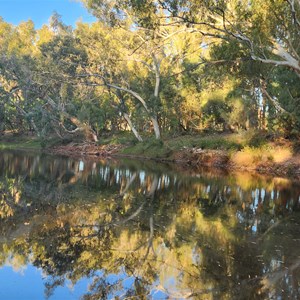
x: 143, y: 230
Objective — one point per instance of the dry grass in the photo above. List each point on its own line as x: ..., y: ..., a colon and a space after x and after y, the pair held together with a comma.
x: 282, y: 154
x: 251, y: 157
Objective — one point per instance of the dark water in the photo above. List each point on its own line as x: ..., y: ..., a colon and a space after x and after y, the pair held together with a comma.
x: 72, y: 229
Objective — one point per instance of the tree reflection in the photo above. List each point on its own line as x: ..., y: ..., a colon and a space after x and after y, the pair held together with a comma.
x: 10, y: 195
x: 143, y: 233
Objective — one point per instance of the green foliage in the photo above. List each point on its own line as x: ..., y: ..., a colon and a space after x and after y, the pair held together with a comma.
x: 19, y: 142
x: 120, y: 138
x: 151, y: 148
x: 218, y: 143
x: 258, y: 140
x: 158, y: 149
x: 131, y: 71
x: 215, y: 142
x: 215, y: 113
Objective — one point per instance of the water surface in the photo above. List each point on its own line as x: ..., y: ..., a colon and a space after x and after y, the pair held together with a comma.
x: 75, y: 229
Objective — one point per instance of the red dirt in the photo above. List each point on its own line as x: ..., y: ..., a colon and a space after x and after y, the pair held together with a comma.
x: 79, y: 150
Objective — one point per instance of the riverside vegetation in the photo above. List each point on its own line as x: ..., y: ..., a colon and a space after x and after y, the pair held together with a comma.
x: 209, y: 83
x: 163, y: 78
x: 242, y: 151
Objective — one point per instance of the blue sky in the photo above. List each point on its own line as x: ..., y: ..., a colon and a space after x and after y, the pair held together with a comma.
x: 39, y: 11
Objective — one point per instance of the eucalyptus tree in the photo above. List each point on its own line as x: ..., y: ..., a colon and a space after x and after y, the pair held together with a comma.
x: 129, y: 65
x: 37, y: 78
x: 17, y: 57
x: 152, y: 54
x: 107, y: 69
x: 263, y: 39
x: 118, y: 65
x: 265, y: 32
x: 62, y: 57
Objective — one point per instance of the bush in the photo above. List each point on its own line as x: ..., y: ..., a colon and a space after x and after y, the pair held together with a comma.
x: 259, y: 140
x: 122, y: 138
x: 150, y: 148
x: 218, y: 143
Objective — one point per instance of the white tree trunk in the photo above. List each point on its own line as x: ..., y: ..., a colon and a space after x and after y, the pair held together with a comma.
x: 35, y: 127
x: 156, y: 95
x: 156, y: 127
x: 133, y: 129
x: 88, y: 132
x: 138, y: 97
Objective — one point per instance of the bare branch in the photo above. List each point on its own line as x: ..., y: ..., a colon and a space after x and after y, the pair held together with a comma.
x: 273, y: 101
x: 293, y: 11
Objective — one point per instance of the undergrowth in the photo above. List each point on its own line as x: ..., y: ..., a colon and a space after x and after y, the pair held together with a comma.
x: 151, y: 148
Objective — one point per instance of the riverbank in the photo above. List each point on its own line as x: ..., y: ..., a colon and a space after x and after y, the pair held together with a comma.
x: 276, y: 157
x: 11, y: 142
x: 231, y: 152
x: 284, y: 166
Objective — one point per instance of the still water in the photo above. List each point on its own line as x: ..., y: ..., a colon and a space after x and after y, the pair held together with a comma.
x: 75, y: 229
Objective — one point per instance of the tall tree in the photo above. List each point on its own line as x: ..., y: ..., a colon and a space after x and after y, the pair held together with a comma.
x: 263, y: 31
